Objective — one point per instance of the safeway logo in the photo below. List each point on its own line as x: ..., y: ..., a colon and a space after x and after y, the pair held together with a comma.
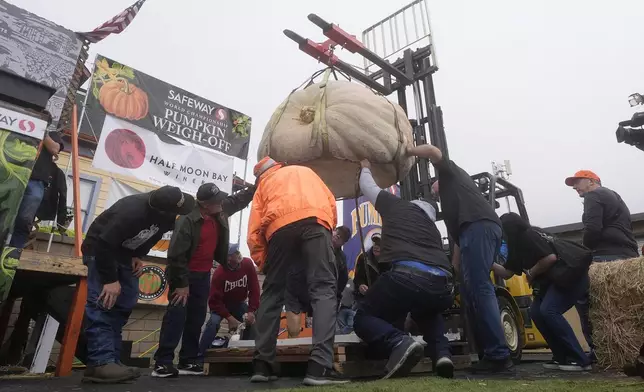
x: 26, y: 126
x: 23, y: 123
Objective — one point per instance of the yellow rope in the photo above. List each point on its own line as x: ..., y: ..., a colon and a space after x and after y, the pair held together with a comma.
x: 147, y: 336
x: 151, y: 348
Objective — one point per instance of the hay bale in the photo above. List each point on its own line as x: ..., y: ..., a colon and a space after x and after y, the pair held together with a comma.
x: 617, y: 310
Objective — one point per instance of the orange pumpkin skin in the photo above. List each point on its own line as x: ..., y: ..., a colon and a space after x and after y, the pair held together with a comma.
x: 124, y: 99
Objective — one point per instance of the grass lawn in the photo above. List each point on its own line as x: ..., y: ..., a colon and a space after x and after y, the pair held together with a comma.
x: 439, y: 385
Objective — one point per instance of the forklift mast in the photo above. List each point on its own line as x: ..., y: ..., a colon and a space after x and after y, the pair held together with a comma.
x: 392, y: 36
x: 407, y: 34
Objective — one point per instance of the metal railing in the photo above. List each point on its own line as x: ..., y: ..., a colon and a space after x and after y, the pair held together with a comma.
x: 404, y: 28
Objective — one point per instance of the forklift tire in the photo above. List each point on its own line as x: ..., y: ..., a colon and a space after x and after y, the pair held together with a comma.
x: 511, y: 329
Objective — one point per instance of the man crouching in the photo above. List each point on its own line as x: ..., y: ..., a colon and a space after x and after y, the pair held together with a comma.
x: 420, y: 282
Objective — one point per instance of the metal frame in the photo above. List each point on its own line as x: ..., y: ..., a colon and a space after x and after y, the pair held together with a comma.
x: 415, y: 68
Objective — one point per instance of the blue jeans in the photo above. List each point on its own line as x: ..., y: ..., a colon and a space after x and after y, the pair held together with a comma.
x: 547, y: 312
x: 103, y: 326
x: 583, y: 306
x: 31, y: 200
x: 392, y: 297
x: 183, y: 323
x: 480, y: 243
x: 345, y: 321
x: 212, y: 326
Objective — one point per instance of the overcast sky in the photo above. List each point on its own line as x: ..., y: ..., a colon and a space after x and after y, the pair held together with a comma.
x: 541, y: 83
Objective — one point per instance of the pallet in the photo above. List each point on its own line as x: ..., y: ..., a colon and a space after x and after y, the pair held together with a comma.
x: 352, y: 359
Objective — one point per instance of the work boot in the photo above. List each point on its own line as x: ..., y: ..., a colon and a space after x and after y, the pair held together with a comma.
x: 109, y: 373
x: 262, y: 372
x: 135, y: 371
x: 404, y: 357
x: 317, y: 375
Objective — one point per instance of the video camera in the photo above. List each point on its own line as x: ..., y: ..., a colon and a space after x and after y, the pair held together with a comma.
x: 631, y: 131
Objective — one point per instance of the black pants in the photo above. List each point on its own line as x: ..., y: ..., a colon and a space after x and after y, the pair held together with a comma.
x: 306, y: 242
x: 185, y: 320
x: 397, y: 293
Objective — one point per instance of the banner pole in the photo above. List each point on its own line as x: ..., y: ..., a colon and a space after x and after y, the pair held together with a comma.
x: 75, y: 318
x: 241, y: 213
x: 69, y: 161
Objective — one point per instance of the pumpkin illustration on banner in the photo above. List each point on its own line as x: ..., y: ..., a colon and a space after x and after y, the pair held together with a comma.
x: 125, y: 148
x: 113, y: 86
x: 123, y: 99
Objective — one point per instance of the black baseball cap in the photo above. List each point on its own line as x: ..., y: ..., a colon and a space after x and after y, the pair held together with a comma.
x: 211, y: 194
x: 171, y: 199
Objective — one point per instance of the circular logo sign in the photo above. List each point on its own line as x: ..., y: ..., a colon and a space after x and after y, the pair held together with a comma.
x: 152, y: 283
x: 26, y: 126
x: 220, y: 114
x: 125, y: 148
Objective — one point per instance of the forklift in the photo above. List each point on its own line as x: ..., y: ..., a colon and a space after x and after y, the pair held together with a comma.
x: 395, y: 36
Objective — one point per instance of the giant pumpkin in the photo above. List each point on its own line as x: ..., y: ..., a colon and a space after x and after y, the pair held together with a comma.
x: 331, y: 126
x: 123, y: 99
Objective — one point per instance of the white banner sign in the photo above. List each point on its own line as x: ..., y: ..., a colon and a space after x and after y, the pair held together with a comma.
x: 22, y: 123
x: 130, y: 150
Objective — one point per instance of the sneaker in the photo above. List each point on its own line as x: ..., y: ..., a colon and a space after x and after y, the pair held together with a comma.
x: 592, y: 356
x: 403, y: 358
x: 575, y: 367
x: 445, y: 367
x: 190, y: 369
x: 110, y: 373
x: 262, y: 372
x: 317, y: 375
x: 165, y: 371
x: 492, y: 366
x: 552, y: 365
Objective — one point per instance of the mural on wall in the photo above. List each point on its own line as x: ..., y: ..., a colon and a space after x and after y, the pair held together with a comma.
x: 39, y: 50
x: 18, y: 151
x: 370, y: 223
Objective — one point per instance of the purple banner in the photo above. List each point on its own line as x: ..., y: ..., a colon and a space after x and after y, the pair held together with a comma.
x: 370, y: 223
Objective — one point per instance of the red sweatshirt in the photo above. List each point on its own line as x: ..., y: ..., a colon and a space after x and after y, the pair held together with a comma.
x: 233, y: 287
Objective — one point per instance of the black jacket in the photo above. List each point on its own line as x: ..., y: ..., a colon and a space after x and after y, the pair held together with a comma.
x: 129, y: 228
x: 54, y: 201
x: 608, y: 229
x: 187, y: 232
x: 367, y: 271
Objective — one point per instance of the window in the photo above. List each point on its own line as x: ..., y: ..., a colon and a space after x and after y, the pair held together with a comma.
x: 90, y: 187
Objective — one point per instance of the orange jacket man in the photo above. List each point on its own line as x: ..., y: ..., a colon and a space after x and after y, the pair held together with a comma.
x: 292, y: 216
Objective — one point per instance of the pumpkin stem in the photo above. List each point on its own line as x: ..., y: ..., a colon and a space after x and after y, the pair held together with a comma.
x: 307, y: 114
x: 126, y: 89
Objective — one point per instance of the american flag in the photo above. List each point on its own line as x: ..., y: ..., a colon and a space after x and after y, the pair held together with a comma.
x: 115, y: 25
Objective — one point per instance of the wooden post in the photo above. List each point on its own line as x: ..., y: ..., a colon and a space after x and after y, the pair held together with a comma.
x: 75, y: 317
